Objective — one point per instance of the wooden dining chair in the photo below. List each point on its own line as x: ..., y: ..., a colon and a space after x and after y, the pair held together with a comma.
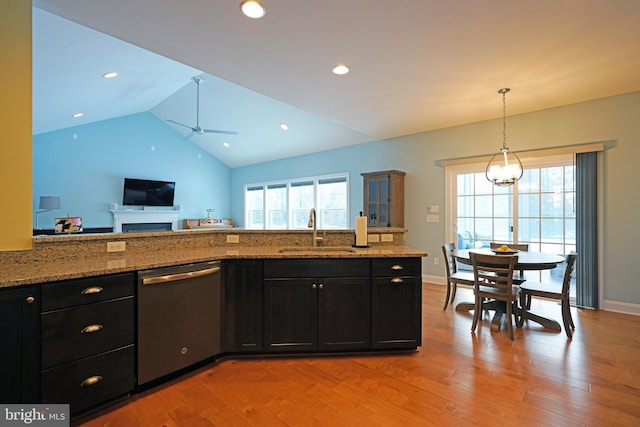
x: 454, y: 277
x: 551, y: 290
x: 493, y: 280
x: 517, y: 278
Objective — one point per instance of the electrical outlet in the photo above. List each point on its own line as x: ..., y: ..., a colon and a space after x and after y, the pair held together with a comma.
x: 386, y: 237
x: 233, y: 238
x: 116, y: 246
x: 436, y: 261
x: 373, y: 238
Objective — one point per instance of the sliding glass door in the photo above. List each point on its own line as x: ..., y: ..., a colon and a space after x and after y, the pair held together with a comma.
x: 539, y: 210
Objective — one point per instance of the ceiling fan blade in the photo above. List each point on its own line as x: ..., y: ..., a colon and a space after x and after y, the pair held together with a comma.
x: 179, y: 124
x: 197, y: 128
x: 226, y: 132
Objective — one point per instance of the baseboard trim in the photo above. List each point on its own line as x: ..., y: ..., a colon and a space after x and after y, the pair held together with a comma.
x: 436, y: 280
x: 621, y: 307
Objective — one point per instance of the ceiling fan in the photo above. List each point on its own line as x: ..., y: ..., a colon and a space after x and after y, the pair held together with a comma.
x: 197, y: 129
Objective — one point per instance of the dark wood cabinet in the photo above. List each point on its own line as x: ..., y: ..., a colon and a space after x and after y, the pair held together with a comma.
x: 290, y: 314
x: 242, y: 331
x: 87, y: 340
x: 344, y: 313
x: 316, y: 304
x: 74, y: 341
x: 383, y: 202
x: 20, y: 345
x: 396, y: 303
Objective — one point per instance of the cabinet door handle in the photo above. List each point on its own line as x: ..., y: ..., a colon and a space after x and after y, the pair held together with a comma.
x: 91, y: 381
x: 321, y: 286
x: 314, y: 286
x: 91, y: 290
x: 397, y: 280
x: 397, y: 267
x: 30, y: 300
x: 90, y: 329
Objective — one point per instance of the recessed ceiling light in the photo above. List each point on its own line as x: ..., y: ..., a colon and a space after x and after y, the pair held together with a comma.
x: 110, y: 75
x: 340, y: 69
x: 76, y: 115
x: 284, y: 126
x: 253, y: 9
x: 226, y: 144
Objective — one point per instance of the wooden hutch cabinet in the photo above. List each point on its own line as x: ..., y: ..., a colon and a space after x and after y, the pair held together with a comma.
x: 384, y: 198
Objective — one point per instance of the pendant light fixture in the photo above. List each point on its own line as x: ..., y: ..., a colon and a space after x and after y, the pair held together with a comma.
x: 504, y: 168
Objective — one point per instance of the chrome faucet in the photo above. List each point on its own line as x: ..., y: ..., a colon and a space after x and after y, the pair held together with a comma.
x: 313, y: 224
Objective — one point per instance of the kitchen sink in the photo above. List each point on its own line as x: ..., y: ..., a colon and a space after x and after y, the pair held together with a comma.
x: 317, y: 249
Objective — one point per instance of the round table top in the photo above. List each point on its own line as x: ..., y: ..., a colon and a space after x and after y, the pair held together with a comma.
x: 527, y: 260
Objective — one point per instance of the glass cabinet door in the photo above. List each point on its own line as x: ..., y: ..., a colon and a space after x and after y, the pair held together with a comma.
x: 384, y: 199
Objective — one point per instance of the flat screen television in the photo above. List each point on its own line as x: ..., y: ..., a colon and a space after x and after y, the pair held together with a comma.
x: 146, y: 192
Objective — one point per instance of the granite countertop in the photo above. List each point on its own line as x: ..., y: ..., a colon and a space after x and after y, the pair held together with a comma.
x: 15, y: 273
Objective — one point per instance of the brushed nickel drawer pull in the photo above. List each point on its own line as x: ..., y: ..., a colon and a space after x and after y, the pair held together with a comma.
x: 91, y: 381
x: 92, y: 290
x: 397, y: 267
x: 90, y: 329
x: 30, y: 300
x: 397, y: 280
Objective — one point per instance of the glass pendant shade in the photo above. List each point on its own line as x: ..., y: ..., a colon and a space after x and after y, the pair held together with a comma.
x: 504, y: 168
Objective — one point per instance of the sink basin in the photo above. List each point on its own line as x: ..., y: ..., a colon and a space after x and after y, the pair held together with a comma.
x: 317, y: 249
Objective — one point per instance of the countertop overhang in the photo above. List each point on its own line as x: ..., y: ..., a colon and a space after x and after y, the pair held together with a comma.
x: 16, y: 272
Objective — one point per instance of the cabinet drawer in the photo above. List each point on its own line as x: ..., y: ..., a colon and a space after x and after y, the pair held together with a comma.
x: 92, y: 381
x: 385, y: 267
x: 84, y: 291
x: 79, y: 332
x: 317, y: 268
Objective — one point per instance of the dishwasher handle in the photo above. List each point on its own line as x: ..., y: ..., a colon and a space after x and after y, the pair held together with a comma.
x: 153, y: 280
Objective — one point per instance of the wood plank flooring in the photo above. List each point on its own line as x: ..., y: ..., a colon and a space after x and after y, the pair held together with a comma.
x: 456, y: 378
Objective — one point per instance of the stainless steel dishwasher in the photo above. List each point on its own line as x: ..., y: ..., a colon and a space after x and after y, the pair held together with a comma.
x: 179, y: 319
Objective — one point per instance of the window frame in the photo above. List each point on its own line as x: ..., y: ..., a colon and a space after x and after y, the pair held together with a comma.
x: 288, y: 184
x: 451, y: 173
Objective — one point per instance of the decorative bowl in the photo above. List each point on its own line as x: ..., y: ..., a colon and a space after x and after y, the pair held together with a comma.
x: 510, y: 252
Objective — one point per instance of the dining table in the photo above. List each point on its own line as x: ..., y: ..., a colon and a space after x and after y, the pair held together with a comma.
x: 527, y: 261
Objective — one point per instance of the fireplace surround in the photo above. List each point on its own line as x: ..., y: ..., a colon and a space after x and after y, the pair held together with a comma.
x: 145, y: 220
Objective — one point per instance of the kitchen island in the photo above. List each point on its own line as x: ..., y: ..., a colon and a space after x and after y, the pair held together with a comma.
x: 61, y: 257
x: 279, y: 295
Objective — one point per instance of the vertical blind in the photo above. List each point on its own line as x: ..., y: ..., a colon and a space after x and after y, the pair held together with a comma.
x: 587, y: 230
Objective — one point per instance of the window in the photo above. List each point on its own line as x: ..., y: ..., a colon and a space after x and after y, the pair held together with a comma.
x: 286, y: 204
x: 538, y: 210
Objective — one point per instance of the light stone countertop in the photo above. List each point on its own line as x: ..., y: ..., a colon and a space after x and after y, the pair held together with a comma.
x: 16, y: 272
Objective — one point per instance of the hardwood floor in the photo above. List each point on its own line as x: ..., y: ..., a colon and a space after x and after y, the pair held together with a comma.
x: 456, y: 378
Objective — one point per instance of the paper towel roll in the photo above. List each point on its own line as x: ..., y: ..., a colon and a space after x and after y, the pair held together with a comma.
x: 361, y: 231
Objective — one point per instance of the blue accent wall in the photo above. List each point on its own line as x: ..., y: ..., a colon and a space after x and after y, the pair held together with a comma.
x: 85, y: 166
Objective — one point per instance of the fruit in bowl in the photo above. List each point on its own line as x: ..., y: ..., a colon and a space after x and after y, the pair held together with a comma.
x: 504, y: 250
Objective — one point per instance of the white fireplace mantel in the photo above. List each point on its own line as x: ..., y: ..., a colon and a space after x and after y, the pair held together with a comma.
x: 149, y: 216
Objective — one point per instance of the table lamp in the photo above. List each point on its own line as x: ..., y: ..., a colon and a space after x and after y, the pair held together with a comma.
x: 47, y: 203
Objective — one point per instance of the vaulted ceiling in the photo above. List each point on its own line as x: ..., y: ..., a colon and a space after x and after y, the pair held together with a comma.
x: 416, y: 65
